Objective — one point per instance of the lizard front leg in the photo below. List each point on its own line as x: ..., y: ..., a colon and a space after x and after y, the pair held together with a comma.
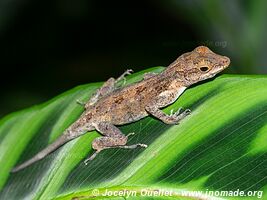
x: 164, y: 99
x: 113, y: 138
x: 167, y: 119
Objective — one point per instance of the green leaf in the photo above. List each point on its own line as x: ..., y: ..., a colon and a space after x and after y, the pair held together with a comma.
x: 221, y: 146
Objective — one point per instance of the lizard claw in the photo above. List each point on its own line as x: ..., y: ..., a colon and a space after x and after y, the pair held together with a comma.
x: 143, y: 145
x: 87, y: 160
x: 187, y: 112
x: 177, y: 113
x: 80, y: 102
x: 128, y: 72
x: 122, y: 77
x: 176, y: 117
x: 180, y: 110
x: 129, y: 134
x: 183, y: 114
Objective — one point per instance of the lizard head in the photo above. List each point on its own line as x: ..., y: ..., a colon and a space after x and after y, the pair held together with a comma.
x: 200, y: 64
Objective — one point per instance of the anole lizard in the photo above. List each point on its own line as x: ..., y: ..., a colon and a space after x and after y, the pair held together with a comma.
x: 111, y: 106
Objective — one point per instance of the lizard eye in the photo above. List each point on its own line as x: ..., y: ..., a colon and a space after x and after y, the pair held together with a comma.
x: 204, y: 69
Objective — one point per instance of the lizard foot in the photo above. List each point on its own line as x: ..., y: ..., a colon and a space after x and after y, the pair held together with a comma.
x: 80, y: 103
x: 130, y: 134
x: 122, y: 77
x: 174, y: 118
x: 87, y: 160
x: 133, y: 146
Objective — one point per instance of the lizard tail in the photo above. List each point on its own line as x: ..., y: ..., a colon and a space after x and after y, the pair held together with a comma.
x: 64, y: 138
x: 52, y: 147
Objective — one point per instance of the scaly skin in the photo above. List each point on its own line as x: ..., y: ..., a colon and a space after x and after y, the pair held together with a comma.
x: 111, y: 106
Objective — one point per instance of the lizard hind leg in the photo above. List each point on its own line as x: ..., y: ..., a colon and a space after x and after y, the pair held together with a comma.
x: 113, y: 138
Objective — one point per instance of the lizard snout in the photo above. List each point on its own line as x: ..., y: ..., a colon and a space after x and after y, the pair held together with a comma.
x: 225, y: 61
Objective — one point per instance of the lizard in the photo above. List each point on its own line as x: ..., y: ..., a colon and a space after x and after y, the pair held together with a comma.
x: 111, y: 105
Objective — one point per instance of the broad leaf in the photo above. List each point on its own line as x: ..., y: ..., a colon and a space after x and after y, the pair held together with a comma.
x: 221, y: 146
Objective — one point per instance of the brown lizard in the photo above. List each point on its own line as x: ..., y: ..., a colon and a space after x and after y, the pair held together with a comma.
x: 111, y: 105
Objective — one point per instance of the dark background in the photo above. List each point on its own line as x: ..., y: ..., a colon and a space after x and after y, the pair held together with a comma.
x: 48, y: 47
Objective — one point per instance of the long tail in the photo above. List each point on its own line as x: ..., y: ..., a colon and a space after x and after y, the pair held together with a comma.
x: 64, y: 138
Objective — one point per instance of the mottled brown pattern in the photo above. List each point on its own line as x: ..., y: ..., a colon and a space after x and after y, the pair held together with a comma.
x: 118, y: 100
x: 111, y: 106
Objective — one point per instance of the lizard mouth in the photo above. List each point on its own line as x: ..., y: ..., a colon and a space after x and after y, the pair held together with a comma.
x: 225, y: 62
x: 218, y: 70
